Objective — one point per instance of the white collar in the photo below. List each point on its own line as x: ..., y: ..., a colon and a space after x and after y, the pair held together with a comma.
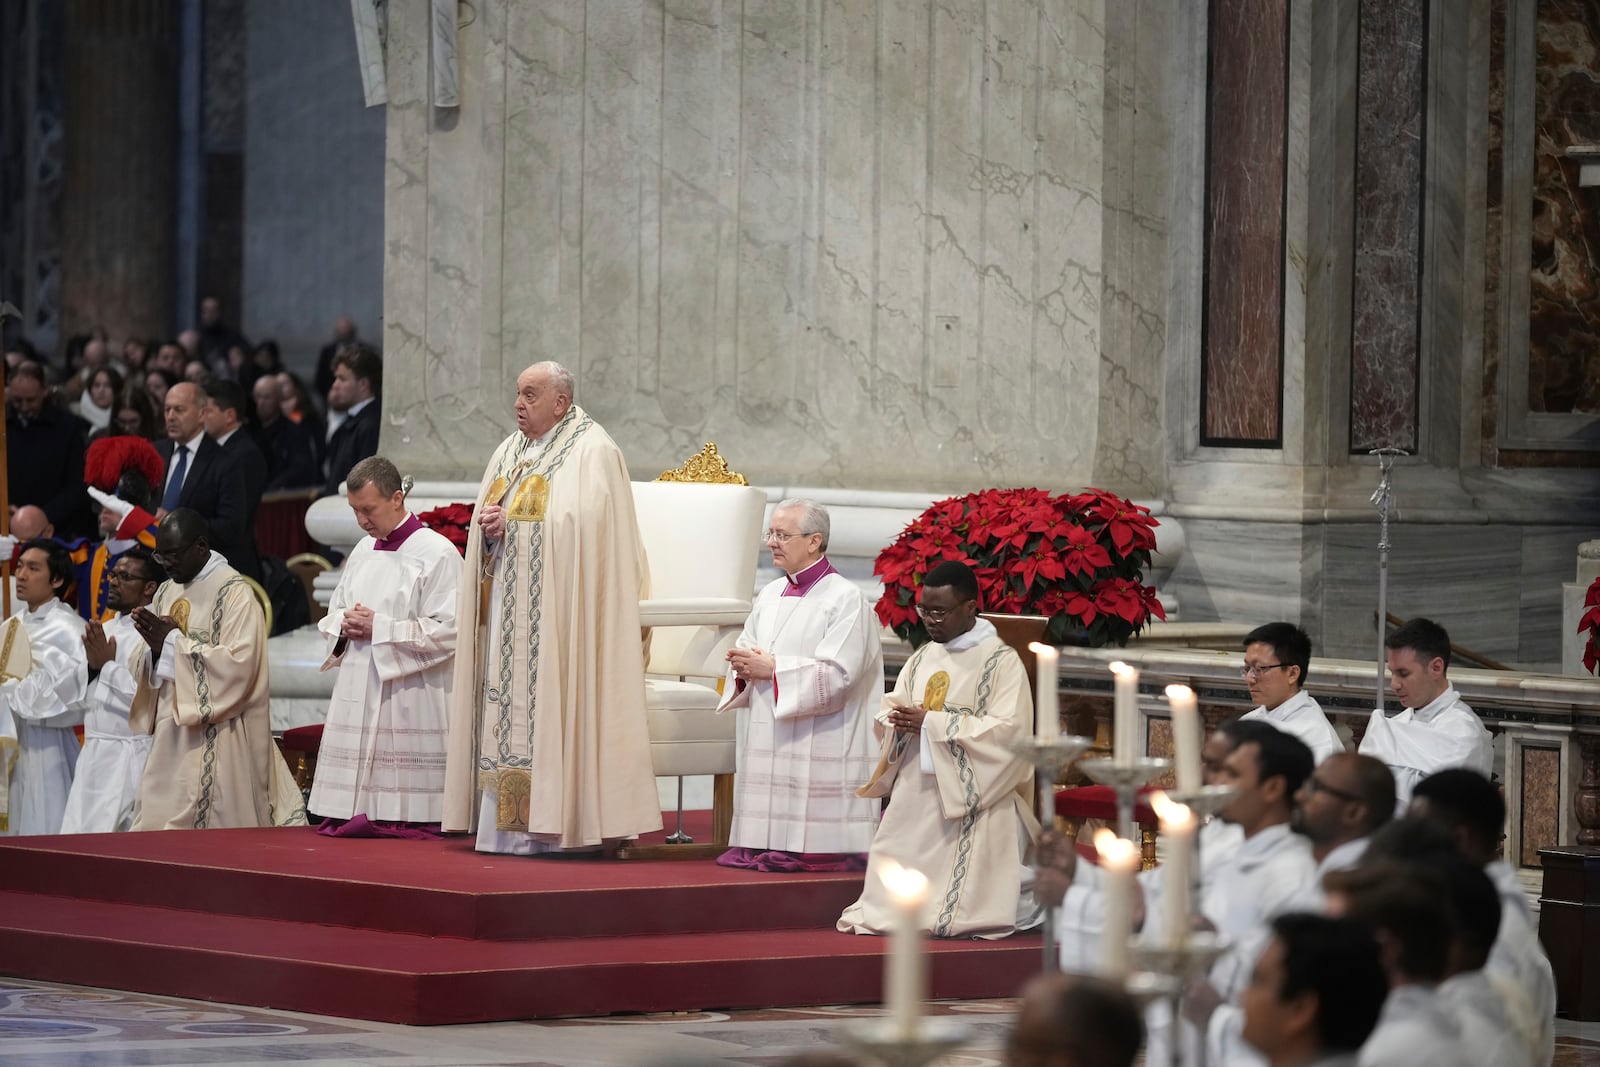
x: 1301, y: 701
x: 982, y: 630
x: 216, y: 560
x: 47, y: 608
x: 192, y: 444
x: 355, y: 409
x: 224, y: 438
x: 1343, y: 857
x: 1430, y: 711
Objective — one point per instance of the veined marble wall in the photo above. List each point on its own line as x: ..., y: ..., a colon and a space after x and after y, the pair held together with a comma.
x: 876, y: 244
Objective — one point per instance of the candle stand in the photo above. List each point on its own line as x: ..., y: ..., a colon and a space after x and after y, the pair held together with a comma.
x: 1049, y: 757
x: 1172, y: 967
x: 889, y: 1044
x: 1126, y: 778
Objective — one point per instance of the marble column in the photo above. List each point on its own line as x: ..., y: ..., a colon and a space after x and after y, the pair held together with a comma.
x: 118, y: 206
x: 880, y: 245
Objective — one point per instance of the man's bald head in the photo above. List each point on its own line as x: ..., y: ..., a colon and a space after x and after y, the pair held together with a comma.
x: 1075, y: 1021
x: 544, y: 393
x: 182, y: 544
x: 30, y: 522
x: 183, y: 405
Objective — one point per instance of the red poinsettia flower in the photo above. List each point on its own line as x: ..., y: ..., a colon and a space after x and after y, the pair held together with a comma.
x: 1590, y: 623
x: 453, y: 521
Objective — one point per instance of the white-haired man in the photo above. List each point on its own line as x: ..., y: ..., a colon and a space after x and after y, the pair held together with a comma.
x: 807, y: 678
x: 549, y: 747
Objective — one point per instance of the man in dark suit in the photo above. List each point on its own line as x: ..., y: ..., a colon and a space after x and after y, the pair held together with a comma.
x: 200, y: 475
x: 344, y: 335
x: 223, y: 416
x: 357, y: 383
x: 290, y: 450
x: 44, y: 461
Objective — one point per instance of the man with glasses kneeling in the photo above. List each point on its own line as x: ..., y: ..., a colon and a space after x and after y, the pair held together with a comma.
x: 202, y: 689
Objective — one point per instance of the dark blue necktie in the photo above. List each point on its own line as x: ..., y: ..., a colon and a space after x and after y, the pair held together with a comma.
x: 169, y: 499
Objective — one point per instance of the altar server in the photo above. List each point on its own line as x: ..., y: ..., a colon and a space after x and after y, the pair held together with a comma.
x: 39, y: 705
x: 112, y: 762
x: 1276, y: 658
x: 960, y: 801
x: 1435, y: 728
x: 391, y: 628
x: 806, y: 678
x: 202, y: 690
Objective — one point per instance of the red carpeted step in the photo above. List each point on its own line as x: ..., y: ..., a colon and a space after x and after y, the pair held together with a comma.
x: 439, y: 887
x: 409, y: 978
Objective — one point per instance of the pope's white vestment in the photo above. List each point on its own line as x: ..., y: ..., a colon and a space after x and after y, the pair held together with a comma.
x: 383, y: 747
x: 37, y: 714
x: 549, y: 745
x: 112, y: 762
x: 1417, y: 742
x: 1303, y: 717
x: 959, y: 800
x: 213, y: 764
x: 805, y: 736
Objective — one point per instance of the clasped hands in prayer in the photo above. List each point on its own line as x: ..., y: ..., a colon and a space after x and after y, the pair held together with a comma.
x: 492, y: 520
x: 907, y: 719
x: 752, y: 664
x: 153, y: 628
x: 357, y: 623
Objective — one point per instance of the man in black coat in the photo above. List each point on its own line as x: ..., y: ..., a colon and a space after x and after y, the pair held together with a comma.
x: 357, y: 384
x: 223, y: 416
x: 44, y: 461
x: 200, y: 475
x: 290, y: 450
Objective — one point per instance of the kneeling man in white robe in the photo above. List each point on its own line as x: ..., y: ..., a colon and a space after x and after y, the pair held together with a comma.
x: 1436, y: 729
x: 391, y: 626
x: 1276, y: 658
x: 40, y: 706
x: 958, y: 799
x: 113, y: 757
x: 806, y: 676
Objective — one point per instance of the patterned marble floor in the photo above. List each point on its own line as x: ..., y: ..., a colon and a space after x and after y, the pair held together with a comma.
x: 46, y: 1025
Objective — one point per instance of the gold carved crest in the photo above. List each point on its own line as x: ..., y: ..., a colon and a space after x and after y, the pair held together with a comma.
x: 706, y: 467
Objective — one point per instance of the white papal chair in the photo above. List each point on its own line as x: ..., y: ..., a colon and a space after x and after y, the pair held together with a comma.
x: 701, y: 527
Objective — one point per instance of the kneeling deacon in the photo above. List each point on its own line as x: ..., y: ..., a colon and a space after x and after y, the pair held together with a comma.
x: 391, y: 625
x: 958, y: 799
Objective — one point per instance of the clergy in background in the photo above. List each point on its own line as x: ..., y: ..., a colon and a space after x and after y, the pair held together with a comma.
x: 549, y: 746
x: 112, y: 762
x: 1435, y: 729
x: 391, y: 628
x: 806, y: 677
x: 958, y: 799
x: 1276, y: 658
x: 201, y: 687
x: 40, y: 706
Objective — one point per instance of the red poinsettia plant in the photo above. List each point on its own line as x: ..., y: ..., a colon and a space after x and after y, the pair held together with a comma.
x: 1590, y: 624
x: 1077, y: 558
x: 451, y: 520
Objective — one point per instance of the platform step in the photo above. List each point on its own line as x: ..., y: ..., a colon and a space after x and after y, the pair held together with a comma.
x: 437, y: 888
x: 402, y: 977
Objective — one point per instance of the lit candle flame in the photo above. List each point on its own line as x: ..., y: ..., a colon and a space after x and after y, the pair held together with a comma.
x: 1172, y: 814
x: 1179, y: 692
x: 906, y: 885
x: 1112, y: 849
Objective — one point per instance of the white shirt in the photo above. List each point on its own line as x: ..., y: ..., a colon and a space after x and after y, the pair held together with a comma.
x: 1303, y: 717
x: 1441, y: 734
x: 225, y: 437
x: 1495, y: 1020
x: 1414, y: 1030
x: 193, y: 445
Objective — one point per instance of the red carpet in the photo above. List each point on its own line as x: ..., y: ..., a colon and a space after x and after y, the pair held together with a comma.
x: 433, y: 932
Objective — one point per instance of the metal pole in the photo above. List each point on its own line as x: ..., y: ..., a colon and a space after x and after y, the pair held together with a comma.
x: 1383, y: 498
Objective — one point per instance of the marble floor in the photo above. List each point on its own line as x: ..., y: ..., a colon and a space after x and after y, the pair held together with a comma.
x: 48, y: 1025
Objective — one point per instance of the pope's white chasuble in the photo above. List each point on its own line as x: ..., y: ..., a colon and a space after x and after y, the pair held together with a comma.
x: 37, y: 714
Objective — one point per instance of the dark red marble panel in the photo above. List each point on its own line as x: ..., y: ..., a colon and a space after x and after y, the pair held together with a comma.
x: 1390, y: 103
x: 1541, y: 803
x: 1564, y: 283
x: 1242, y: 369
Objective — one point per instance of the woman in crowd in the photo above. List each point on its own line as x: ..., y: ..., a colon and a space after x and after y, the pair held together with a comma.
x: 99, y: 398
x: 156, y: 383
x: 136, y: 415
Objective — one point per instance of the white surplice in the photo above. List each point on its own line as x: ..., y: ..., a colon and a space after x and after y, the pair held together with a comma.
x: 805, y: 738
x: 1518, y: 958
x: 1417, y: 742
x: 383, y: 746
x: 1494, y: 1019
x: 1414, y: 1030
x: 1303, y: 717
x: 112, y: 761
x: 959, y: 806
x: 39, y: 712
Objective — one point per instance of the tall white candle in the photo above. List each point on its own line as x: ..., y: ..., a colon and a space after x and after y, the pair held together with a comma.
x: 906, y: 973
x: 1186, y: 739
x: 1119, y: 859
x: 1177, y: 868
x: 1045, y: 711
x: 1125, y: 714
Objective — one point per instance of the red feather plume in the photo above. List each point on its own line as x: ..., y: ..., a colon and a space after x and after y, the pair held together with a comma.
x: 108, y: 457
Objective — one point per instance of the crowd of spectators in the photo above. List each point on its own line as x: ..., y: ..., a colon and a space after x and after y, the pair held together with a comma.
x: 231, y: 422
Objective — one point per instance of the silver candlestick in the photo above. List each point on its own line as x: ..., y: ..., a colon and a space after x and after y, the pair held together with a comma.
x: 1383, y: 500
x: 1206, y: 802
x: 1180, y: 962
x: 1126, y: 778
x: 1049, y: 757
x: 888, y: 1044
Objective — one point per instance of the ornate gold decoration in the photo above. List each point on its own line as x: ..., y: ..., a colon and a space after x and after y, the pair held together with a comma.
x: 496, y: 491
x: 180, y: 614
x: 513, y: 799
x: 933, y: 695
x: 528, y: 502
x: 24, y: 662
x: 706, y: 467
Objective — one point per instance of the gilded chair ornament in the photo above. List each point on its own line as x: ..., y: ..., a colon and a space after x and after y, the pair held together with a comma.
x: 706, y: 467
